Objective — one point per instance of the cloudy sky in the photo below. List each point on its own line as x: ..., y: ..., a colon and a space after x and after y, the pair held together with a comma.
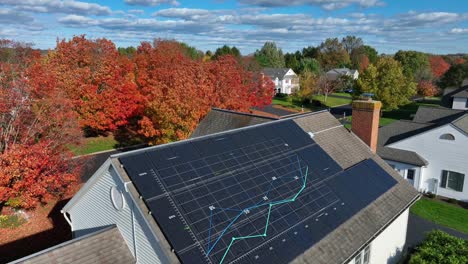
x: 389, y: 25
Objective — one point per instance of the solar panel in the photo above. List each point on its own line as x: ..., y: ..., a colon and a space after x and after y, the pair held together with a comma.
x: 237, y: 197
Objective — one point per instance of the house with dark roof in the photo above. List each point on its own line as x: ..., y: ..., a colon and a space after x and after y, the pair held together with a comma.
x: 301, y: 189
x: 430, y: 151
x: 456, y: 98
x: 285, y: 79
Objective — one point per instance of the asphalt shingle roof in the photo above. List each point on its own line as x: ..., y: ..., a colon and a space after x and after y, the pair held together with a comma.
x: 104, y: 246
x: 447, y: 99
x: 437, y: 115
x: 218, y: 120
x: 276, y: 72
x: 462, y: 92
x: 341, y: 244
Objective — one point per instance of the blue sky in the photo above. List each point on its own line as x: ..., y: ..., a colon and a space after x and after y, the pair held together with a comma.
x: 389, y: 25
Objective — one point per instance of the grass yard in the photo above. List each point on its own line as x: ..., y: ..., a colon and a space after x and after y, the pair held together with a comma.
x: 407, y: 111
x: 334, y: 101
x: 283, y: 101
x: 442, y: 213
x: 95, y: 144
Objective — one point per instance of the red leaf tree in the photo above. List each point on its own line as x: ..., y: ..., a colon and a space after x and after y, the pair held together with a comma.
x: 36, y: 123
x: 179, y: 91
x: 438, y: 66
x: 99, y: 82
x: 427, y: 88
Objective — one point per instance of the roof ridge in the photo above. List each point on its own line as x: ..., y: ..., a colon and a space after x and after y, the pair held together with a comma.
x: 118, y: 155
x: 242, y: 113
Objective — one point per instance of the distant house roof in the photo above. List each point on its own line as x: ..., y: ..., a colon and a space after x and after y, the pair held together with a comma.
x: 104, y: 246
x: 336, y: 238
x: 342, y: 71
x: 276, y: 72
x: 462, y: 92
x: 426, y: 118
x: 447, y: 98
x: 218, y: 120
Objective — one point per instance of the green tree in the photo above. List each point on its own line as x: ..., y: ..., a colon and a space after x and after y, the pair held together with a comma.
x: 270, y: 56
x: 412, y: 61
x: 371, y: 53
x: 310, y: 52
x: 226, y: 50
x: 441, y: 248
x: 309, y: 64
x: 387, y: 82
x: 293, y: 62
x: 332, y: 54
x: 454, y: 76
x: 128, y: 51
x: 191, y: 52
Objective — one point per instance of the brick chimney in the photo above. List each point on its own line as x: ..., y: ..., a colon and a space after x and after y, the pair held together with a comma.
x: 365, y: 121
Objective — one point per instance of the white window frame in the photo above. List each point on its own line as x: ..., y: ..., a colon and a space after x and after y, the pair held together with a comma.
x: 360, y: 258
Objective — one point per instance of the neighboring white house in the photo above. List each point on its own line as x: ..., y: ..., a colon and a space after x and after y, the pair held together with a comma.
x: 456, y: 98
x: 335, y: 74
x: 431, y: 151
x: 184, y: 202
x: 285, y: 79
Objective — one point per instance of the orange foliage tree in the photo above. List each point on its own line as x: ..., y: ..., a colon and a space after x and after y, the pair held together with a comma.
x: 36, y: 123
x: 99, y: 82
x: 438, y: 66
x: 179, y: 91
x: 427, y: 88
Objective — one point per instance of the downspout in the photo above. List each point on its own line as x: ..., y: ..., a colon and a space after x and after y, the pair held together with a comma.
x: 132, y: 209
x: 68, y: 219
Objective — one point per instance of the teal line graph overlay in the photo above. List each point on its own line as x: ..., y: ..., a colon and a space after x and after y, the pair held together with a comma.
x: 270, y: 205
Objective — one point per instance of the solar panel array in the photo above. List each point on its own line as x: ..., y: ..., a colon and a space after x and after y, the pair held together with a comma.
x: 258, y: 195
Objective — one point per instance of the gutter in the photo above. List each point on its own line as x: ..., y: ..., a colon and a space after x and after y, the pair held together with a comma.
x: 382, y: 229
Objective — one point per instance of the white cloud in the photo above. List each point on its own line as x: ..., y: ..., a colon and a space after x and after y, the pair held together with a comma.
x: 57, y: 6
x: 325, y: 4
x: 459, y: 31
x: 8, y: 16
x: 151, y: 2
x: 183, y: 13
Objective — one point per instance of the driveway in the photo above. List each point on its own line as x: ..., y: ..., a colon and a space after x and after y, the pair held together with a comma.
x: 418, y: 227
x: 340, y: 111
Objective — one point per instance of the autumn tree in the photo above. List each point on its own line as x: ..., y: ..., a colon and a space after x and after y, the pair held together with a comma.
x: 351, y: 43
x: 270, y: 56
x: 412, y: 62
x: 371, y: 53
x: 438, y: 66
x: 427, y: 88
x: 387, y: 82
x: 332, y: 54
x: 99, y: 82
x: 308, y: 84
x: 36, y: 125
x: 178, y: 91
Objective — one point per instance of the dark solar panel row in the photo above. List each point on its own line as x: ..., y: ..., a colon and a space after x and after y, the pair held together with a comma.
x: 240, y: 196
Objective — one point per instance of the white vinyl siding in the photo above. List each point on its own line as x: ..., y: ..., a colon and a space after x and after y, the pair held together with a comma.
x: 459, y: 103
x: 94, y: 210
x: 441, y: 154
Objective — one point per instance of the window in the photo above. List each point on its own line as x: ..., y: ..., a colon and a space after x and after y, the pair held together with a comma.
x: 447, y: 137
x: 452, y: 180
x: 358, y: 258
x: 466, y: 103
x: 117, y: 198
x: 410, y: 174
x: 366, y: 255
x: 363, y: 257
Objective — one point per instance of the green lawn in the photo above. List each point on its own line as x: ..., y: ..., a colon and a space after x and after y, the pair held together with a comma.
x: 283, y: 101
x: 343, y: 94
x: 383, y: 121
x: 95, y: 144
x: 407, y: 111
x: 442, y: 213
x: 332, y: 101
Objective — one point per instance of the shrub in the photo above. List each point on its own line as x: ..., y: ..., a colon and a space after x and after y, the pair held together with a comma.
x: 11, y: 221
x: 281, y: 95
x: 452, y: 201
x: 442, y: 248
x: 430, y: 195
x: 316, y: 102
